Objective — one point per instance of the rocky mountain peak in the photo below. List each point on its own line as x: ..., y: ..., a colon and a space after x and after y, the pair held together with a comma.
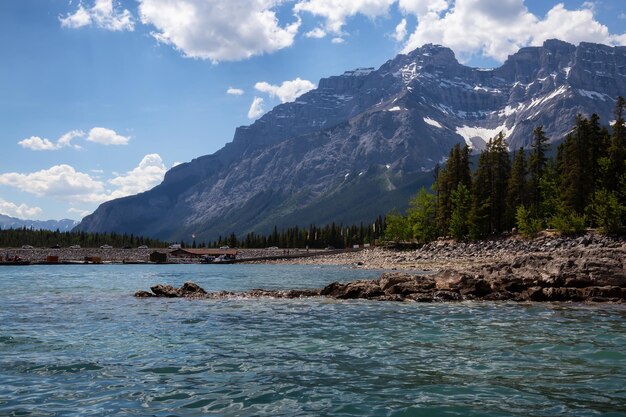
x: 361, y: 142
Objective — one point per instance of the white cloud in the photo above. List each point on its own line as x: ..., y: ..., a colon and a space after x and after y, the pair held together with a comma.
x: 106, y: 136
x: 400, y: 32
x: 81, y: 213
x: 63, y: 182
x: 66, y: 139
x: 338, y: 40
x: 60, y: 181
x: 256, y: 108
x: 78, y: 19
x: 36, y: 143
x: 287, y: 91
x: 234, y: 91
x: 97, y: 134
x: 498, y: 29
x: 103, y: 14
x: 422, y: 7
x: 146, y: 175
x: 336, y: 12
x: 218, y: 30
x: 490, y: 28
x: 316, y: 33
x: 22, y: 211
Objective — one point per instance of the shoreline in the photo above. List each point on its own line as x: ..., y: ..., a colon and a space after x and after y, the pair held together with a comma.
x: 435, y: 256
x: 590, y: 268
x: 448, y: 254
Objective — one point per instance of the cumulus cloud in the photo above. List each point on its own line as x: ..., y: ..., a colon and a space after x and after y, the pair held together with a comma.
x: 400, y: 32
x: 97, y: 134
x: 81, y: 213
x: 22, y: 211
x: 103, y: 14
x: 336, y: 12
x: 63, y: 182
x: 60, y: 181
x: 422, y: 7
x: 66, y: 139
x: 316, y: 33
x: 146, y: 175
x: 338, y: 40
x: 106, y: 136
x: 489, y: 28
x: 36, y: 143
x: 498, y: 29
x: 234, y: 91
x: 218, y: 30
x: 256, y: 108
x: 287, y: 91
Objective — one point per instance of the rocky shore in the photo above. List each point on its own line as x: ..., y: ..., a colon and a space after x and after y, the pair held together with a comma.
x: 448, y: 254
x: 591, y: 268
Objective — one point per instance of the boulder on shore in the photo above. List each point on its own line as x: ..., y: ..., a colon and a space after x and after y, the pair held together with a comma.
x: 579, y: 274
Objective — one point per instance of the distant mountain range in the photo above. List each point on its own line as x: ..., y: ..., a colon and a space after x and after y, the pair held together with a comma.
x: 65, y: 225
x: 363, y: 142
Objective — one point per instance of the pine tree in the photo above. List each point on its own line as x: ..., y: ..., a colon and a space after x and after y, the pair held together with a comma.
x: 617, y: 148
x: 517, y: 188
x: 461, y: 207
x: 455, y: 172
x: 536, y: 167
x: 490, y: 189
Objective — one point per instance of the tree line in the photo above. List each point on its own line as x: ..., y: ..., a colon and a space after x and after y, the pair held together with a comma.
x: 583, y: 186
x: 314, y: 237
x: 15, y: 238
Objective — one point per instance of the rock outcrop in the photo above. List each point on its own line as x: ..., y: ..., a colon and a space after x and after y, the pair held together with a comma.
x: 579, y: 274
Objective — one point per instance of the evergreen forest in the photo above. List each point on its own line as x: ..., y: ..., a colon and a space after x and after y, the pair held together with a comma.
x: 583, y: 186
x: 15, y: 238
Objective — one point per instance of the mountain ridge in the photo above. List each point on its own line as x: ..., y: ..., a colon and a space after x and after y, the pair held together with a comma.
x: 63, y: 225
x: 382, y: 130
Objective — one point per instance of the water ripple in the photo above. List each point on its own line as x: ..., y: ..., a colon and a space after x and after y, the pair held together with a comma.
x: 73, y: 342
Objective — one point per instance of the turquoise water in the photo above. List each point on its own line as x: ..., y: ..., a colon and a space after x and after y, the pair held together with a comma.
x: 73, y: 341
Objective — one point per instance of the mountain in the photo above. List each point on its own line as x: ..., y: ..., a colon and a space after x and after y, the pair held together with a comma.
x: 363, y: 142
x: 65, y: 225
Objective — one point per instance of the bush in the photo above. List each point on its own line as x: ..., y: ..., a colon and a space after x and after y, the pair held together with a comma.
x: 568, y: 223
x: 607, y: 212
x: 527, y: 225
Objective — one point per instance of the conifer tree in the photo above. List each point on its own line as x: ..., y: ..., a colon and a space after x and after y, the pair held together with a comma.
x: 461, y: 207
x: 490, y: 190
x: 617, y: 148
x: 536, y: 166
x: 455, y: 172
x: 517, y: 189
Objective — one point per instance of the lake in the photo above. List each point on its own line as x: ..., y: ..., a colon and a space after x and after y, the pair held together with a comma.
x: 74, y: 341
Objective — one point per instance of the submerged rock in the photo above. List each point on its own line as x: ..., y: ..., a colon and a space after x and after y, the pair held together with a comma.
x: 192, y: 290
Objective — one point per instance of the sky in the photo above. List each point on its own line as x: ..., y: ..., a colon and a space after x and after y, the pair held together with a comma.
x: 99, y: 98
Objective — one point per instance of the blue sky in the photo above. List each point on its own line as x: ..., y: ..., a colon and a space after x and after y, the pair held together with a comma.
x: 98, y: 98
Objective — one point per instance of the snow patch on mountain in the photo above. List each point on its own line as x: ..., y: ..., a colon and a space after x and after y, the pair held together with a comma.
x: 432, y: 122
x: 470, y: 133
x: 594, y: 95
x: 562, y: 90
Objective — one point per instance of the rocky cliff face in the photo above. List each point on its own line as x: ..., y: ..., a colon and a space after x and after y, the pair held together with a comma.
x: 362, y: 142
